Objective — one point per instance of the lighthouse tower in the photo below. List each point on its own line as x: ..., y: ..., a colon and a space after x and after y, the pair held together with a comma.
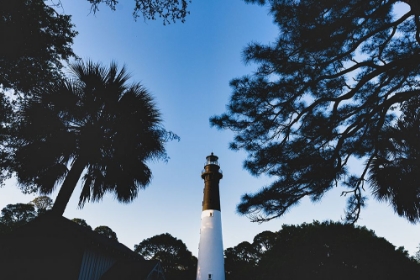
x: 210, y: 251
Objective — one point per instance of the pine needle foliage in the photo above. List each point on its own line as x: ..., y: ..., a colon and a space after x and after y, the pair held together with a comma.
x: 328, y: 91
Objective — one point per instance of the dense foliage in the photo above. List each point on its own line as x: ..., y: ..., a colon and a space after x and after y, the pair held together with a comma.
x: 326, y: 92
x: 16, y: 215
x: 42, y: 204
x: 39, y: 37
x: 325, y: 250
x: 103, y: 230
x: 168, y: 10
x: 241, y: 261
x: 82, y: 223
x: 335, y: 251
x: 106, y: 231
x: 19, y: 214
x: 93, y: 126
x: 36, y: 40
x: 176, y: 260
x: 41, y: 124
x: 394, y: 172
x: 5, y: 120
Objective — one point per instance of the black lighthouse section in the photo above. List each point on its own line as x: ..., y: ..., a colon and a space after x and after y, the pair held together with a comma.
x: 211, y: 176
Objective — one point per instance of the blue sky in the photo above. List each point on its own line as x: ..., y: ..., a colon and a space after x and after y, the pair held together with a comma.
x: 187, y: 68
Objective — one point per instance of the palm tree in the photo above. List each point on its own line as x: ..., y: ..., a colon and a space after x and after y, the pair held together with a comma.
x: 394, y: 174
x: 94, y: 127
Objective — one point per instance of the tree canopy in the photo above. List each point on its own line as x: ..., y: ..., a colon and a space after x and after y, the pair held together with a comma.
x: 81, y: 222
x: 103, y: 230
x: 39, y: 41
x: 36, y: 40
x: 241, y: 261
x: 394, y: 172
x: 5, y: 120
x: 417, y: 254
x: 16, y: 215
x: 176, y: 260
x: 106, y: 231
x: 168, y: 10
x: 39, y: 37
x: 42, y: 204
x: 332, y: 250
x: 93, y: 126
x: 19, y: 214
x: 327, y: 250
x: 328, y: 90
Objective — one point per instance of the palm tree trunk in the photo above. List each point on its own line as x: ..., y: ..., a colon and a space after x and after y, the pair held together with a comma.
x: 68, y: 187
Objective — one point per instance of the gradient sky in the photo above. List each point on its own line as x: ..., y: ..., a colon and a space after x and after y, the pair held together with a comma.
x: 187, y: 68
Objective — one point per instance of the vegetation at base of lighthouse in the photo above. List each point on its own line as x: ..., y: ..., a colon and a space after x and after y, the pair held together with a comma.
x: 320, y: 250
x: 326, y: 250
x: 176, y: 260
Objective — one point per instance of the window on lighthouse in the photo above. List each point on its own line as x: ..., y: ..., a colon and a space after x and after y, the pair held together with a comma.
x: 209, y: 276
x: 211, y: 215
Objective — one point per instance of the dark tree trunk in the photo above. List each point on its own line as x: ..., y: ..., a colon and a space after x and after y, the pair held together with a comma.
x: 68, y: 187
x: 414, y: 5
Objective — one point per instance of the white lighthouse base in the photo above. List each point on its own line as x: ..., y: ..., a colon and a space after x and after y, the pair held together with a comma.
x: 210, y: 251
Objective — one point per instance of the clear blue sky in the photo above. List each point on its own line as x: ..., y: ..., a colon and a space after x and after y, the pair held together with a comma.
x: 187, y: 67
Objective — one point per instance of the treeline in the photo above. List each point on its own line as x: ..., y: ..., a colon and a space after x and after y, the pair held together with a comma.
x: 176, y: 260
x: 319, y: 250
x: 327, y: 250
x: 16, y: 215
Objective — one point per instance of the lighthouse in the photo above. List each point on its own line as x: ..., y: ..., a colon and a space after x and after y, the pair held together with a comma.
x: 210, y: 250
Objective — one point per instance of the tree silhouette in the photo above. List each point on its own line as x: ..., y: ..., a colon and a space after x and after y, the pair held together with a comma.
x: 394, y: 172
x: 176, y: 260
x: 331, y: 250
x: 103, y: 230
x: 6, y: 113
x: 16, y: 215
x: 168, y: 10
x: 264, y: 241
x: 417, y: 255
x: 93, y: 126
x: 106, y: 231
x: 38, y: 41
x: 241, y: 261
x: 42, y: 204
x: 322, y: 96
x: 81, y: 222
